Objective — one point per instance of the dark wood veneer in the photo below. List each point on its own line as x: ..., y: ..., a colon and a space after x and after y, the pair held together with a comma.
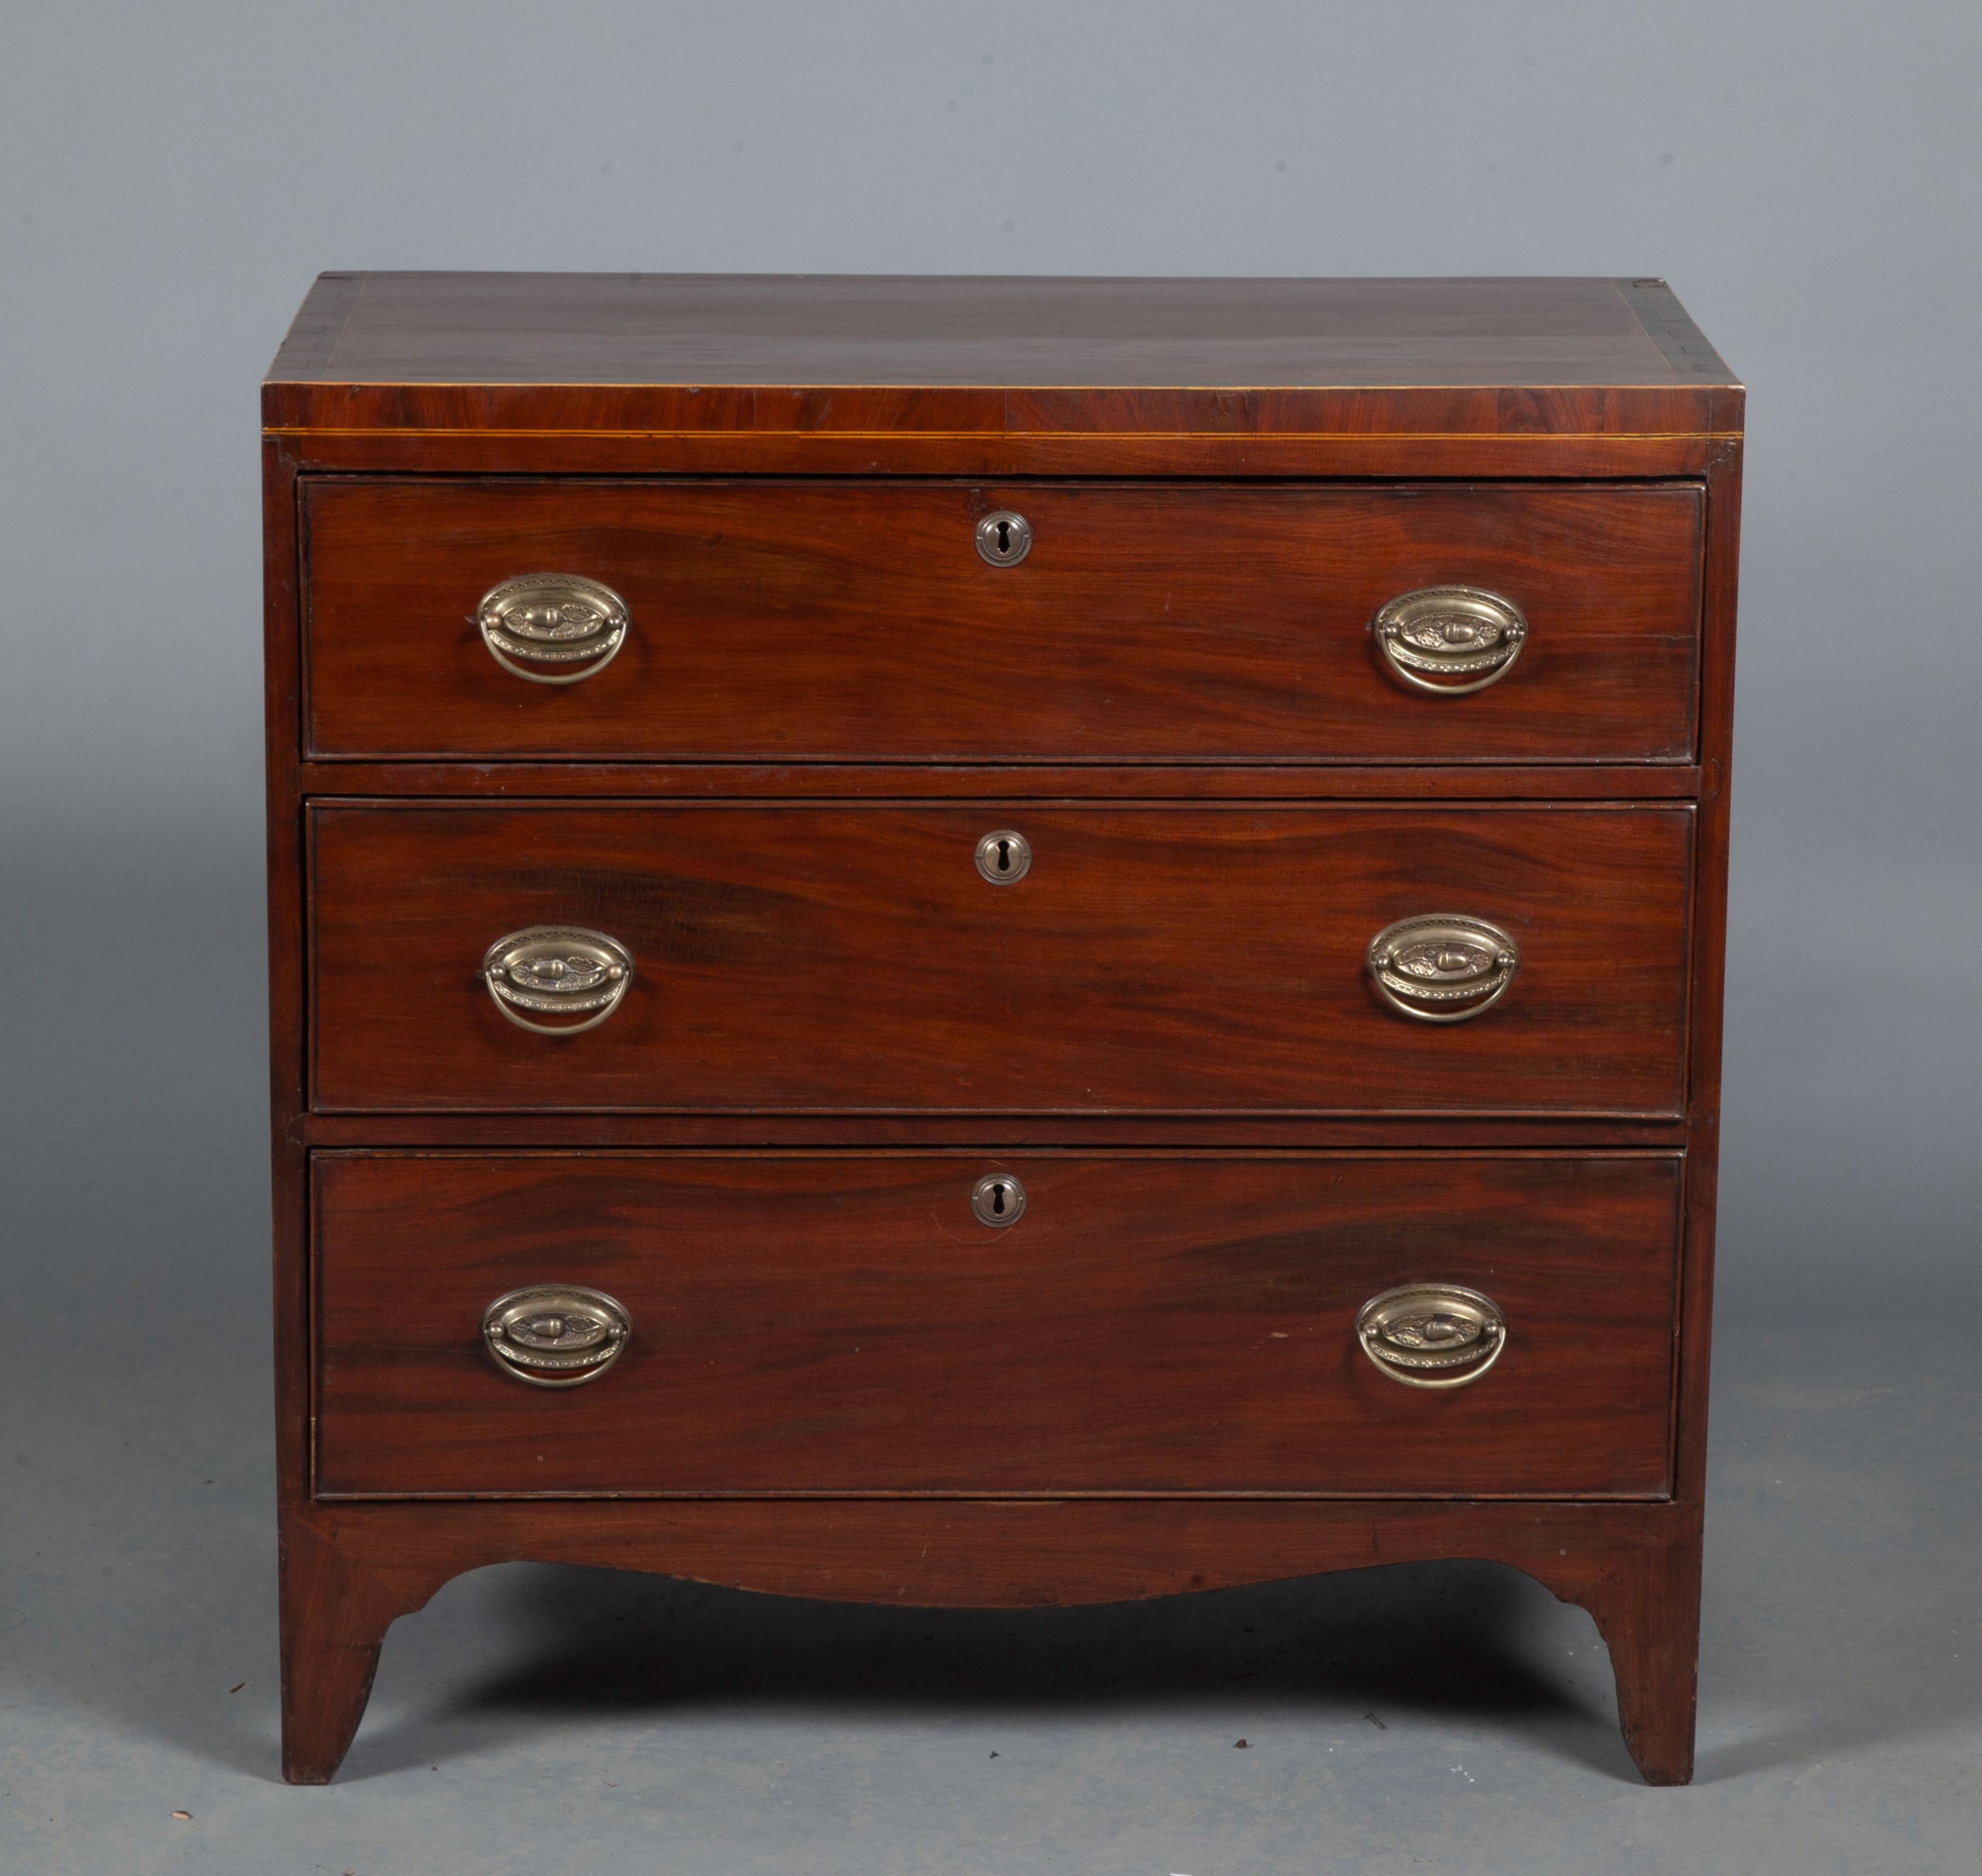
x: 960, y: 354
x: 831, y: 1324
x: 852, y: 957
x: 349, y: 1571
x: 556, y: 385
x: 329, y: 778
x: 854, y: 621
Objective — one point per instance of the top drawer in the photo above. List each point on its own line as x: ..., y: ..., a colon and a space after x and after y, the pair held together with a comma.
x: 857, y: 620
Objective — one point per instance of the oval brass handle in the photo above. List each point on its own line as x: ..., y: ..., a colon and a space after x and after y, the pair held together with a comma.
x: 1451, y: 641
x: 552, y: 628
x: 1443, y: 966
x: 1432, y: 1335
x: 557, y: 970
x: 556, y: 1335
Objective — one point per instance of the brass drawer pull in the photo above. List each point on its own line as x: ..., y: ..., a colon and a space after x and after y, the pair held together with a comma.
x: 557, y: 970
x: 1432, y: 1335
x: 556, y: 1335
x: 1443, y: 966
x: 552, y: 628
x: 1451, y: 641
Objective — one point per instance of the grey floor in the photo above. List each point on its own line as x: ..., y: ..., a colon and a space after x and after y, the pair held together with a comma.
x: 1441, y: 1717
x: 550, y: 1721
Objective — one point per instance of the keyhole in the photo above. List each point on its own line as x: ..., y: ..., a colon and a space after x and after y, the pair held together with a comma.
x: 1004, y: 857
x: 998, y: 1199
x: 1004, y: 538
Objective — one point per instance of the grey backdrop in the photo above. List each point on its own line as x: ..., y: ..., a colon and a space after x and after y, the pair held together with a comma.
x: 1805, y: 174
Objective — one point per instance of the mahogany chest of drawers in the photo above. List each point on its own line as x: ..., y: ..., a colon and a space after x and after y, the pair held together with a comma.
x: 992, y: 942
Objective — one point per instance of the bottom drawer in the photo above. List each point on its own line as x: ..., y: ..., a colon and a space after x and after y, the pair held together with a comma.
x: 807, y: 1323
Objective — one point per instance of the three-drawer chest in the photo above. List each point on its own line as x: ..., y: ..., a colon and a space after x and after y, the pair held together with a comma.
x: 995, y: 941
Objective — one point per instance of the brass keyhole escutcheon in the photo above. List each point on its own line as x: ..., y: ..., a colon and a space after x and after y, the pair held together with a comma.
x: 998, y: 1199
x: 1004, y: 538
x: 1004, y: 857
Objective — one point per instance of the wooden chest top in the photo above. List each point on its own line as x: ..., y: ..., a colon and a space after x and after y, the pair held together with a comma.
x: 959, y: 355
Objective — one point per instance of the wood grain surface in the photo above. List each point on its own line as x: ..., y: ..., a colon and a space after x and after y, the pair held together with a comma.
x: 825, y: 1324
x: 1528, y: 445
x: 854, y: 621
x: 898, y: 356
x: 543, y: 780
x: 791, y: 957
x: 835, y: 1022
x: 349, y: 1569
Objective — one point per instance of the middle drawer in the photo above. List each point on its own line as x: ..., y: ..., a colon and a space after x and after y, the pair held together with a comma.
x: 1000, y: 959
